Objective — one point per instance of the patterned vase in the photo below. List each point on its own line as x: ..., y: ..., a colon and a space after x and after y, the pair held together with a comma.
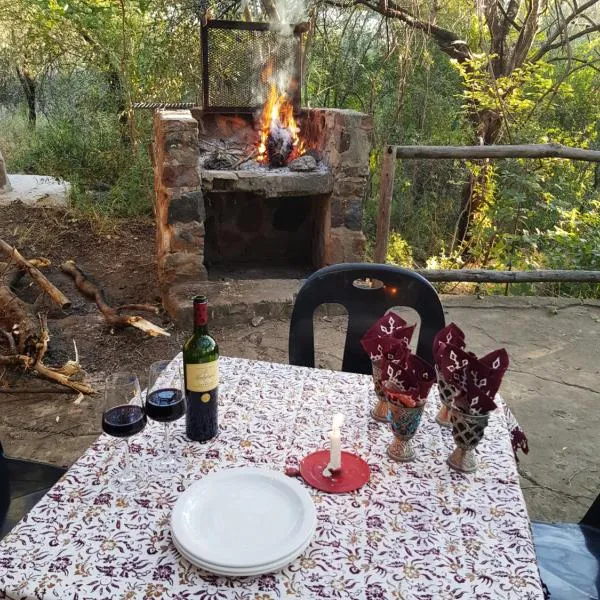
x: 467, y: 431
x: 404, y: 422
x: 380, y: 410
x: 446, y: 393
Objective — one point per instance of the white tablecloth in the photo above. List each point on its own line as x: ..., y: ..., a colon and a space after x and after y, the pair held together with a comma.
x: 416, y: 530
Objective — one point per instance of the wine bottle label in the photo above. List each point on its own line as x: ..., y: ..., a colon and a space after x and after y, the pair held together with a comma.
x: 202, y: 377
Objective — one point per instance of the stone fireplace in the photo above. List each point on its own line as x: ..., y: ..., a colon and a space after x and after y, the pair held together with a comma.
x: 240, y: 218
x: 250, y: 185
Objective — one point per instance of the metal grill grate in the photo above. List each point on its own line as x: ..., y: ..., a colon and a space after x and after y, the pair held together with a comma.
x: 236, y: 55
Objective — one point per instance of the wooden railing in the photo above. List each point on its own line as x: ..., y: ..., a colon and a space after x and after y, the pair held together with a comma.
x: 386, y: 192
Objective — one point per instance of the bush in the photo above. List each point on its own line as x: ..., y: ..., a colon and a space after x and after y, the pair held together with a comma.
x: 86, y: 149
x: 399, y: 252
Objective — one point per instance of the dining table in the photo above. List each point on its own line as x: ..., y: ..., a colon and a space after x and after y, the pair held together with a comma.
x: 416, y: 530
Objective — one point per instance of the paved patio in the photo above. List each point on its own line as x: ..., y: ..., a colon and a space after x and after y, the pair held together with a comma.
x: 553, y: 387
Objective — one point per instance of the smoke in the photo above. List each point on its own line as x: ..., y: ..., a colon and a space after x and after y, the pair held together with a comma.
x: 288, y: 11
x: 278, y: 12
x: 276, y: 59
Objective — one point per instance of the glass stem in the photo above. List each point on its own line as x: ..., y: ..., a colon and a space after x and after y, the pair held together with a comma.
x: 167, y: 441
x: 126, y: 460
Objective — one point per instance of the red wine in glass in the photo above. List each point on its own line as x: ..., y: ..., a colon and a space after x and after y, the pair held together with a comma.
x: 165, y: 405
x: 123, y: 421
x: 123, y: 416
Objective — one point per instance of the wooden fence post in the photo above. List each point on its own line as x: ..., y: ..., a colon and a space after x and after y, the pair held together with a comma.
x: 386, y: 192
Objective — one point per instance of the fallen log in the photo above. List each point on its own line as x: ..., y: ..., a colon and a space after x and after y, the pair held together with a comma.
x: 92, y: 292
x: 53, y: 292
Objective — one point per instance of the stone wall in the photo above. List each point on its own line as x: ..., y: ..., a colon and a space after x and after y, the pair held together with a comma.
x: 179, y: 204
x: 342, y: 137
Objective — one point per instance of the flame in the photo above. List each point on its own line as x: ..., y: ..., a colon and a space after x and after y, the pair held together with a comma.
x: 278, y: 111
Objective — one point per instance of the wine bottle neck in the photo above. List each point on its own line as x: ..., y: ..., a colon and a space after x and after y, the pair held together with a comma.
x: 201, y: 317
x: 201, y: 329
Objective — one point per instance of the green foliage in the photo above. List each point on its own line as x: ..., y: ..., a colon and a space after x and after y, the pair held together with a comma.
x: 399, y: 252
x: 93, y: 58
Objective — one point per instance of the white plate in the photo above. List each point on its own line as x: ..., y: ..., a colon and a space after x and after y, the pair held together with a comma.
x: 248, y: 572
x: 290, y: 557
x: 243, y: 518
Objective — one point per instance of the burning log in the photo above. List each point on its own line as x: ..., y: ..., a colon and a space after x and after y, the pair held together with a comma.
x: 280, y: 144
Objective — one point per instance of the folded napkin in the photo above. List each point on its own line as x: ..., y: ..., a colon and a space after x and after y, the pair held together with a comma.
x: 476, y: 380
x: 386, y: 336
x: 407, y: 378
x: 451, y: 334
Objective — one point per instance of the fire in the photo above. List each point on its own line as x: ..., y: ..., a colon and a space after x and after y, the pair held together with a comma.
x: 277, y: 118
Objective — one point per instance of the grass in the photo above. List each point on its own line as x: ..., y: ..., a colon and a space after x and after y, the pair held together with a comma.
x: 108, y: 177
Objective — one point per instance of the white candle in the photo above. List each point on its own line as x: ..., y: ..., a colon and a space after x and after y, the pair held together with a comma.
x: 335, y: 443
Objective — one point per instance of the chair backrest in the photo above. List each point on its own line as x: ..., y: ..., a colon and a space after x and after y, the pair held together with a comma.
x: 337, y: 285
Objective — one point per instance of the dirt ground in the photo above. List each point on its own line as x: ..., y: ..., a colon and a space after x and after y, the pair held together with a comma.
x: 552, y: 386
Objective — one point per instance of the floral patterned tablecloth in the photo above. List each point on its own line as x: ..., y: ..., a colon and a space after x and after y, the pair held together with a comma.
x: 415, y: 531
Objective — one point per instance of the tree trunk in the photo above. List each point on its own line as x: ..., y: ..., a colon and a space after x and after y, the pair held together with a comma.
x: 29, y: 87
x: 4, y: 182
x: 488, y: 126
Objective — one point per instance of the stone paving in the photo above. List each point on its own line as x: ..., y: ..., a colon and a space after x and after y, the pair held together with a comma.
x: 553, y: 387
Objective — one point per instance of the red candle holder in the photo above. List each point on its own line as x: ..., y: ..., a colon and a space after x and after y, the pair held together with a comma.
x: 352, y: 475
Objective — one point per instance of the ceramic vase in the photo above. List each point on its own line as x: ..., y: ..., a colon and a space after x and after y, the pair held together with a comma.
x: 404, y: 422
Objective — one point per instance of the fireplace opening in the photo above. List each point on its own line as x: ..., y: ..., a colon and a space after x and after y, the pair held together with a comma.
x: 270, y: 237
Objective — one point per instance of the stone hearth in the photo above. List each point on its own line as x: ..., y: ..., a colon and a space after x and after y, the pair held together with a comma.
x: 256, y: 216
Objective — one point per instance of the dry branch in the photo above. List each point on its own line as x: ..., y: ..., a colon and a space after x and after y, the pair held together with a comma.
x: 33, y: 362
x: 112, y: 316
x: 55, y: 294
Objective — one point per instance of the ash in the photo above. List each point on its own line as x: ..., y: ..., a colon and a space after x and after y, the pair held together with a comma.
x: 257, y: 167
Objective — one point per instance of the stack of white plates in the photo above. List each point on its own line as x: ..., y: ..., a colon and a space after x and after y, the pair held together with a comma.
x: 243, y: 522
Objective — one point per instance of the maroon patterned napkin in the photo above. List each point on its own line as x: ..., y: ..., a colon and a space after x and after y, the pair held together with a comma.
x: 451, y: 334
x: 476, y: 380
x: 409, y: 378
x: 388, y: 335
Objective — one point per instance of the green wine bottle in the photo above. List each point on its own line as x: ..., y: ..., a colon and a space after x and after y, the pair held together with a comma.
x: 201, y: 373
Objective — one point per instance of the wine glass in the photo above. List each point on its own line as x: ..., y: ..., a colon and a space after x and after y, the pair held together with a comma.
x: 165, y: 403
x: 123, y: 416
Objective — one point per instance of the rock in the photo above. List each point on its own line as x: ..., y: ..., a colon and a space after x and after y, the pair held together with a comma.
x: 187, y: 207
x: 256, y: 321
x: 303, y: 163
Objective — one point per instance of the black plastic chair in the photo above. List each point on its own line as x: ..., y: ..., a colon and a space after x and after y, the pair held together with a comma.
x: 22, y: 484
x: 341, y: 284
x: 569, y: 556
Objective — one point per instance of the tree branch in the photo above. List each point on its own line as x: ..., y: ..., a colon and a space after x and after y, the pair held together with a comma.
x: 448, y: 42
x: 547, y: 48
x: 560, y: 30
